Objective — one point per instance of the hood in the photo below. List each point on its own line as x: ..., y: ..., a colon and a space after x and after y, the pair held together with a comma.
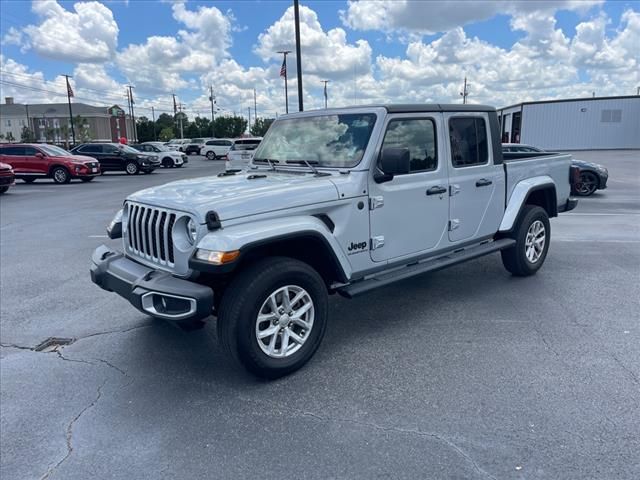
x: 82, y: 159
x: 240, y: 195
x: 583, y: 164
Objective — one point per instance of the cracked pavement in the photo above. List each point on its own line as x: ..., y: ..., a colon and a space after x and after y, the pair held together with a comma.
x: 466, y: 373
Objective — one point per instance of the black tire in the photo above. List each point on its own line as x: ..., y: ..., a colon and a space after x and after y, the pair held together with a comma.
x: 167, y: 162
x: 515, y: 259
x: 211, y: 155
x: 29, y: 180
x: 87, y: 179
x: 132, y: 168
x: 242, y: 302
x: 60, y: 175
x: 587, y: 185
x: 3, y: 190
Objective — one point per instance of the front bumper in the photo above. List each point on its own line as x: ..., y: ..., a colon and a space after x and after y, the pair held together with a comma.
x: 604, y: 176
x: 153, y: 292
x: 7, y: 180
x: 570, y: 205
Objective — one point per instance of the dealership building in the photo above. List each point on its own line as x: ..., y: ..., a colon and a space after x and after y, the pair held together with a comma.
x: 597, y: 123
x: 49, y: 122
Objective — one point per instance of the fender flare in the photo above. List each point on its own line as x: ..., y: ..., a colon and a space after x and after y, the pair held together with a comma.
x: 519, y: 198
x: 248, y: 236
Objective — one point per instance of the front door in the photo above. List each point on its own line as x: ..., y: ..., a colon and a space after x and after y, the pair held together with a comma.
x: 409, y: 213
x: 476, y: 184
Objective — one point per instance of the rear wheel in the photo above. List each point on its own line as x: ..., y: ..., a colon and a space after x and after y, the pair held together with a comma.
x: 211, y: 155
x: 60, y: 175
x: 273, y: 316
x: 532, y: 235
x: 131, y: 168
x: 587, y: 184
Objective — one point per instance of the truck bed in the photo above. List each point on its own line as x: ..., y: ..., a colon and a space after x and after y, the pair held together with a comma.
x: 530, y: 166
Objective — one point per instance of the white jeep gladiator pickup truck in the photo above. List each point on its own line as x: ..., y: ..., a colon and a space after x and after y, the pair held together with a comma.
x: 334, y: 201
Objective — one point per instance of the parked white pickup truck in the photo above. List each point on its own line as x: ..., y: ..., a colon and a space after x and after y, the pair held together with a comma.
x: 335, y: 201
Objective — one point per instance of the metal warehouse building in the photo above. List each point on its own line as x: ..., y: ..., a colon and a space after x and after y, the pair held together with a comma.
x: 574, y: 124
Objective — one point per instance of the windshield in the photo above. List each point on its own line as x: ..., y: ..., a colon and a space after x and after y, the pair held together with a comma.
x: 162, y: 148
x: 329, y: 140
x: 54, y: 151
x: 128, y: 149
x: 246, y: 145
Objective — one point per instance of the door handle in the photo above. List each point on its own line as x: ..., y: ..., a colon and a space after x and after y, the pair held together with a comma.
x: 437, y: 190
x: 483, y: 182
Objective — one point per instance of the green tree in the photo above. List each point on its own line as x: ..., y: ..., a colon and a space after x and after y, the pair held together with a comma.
x: 166, y: 134
x: 260, y: 126
x: 27, y: 136
x: 230, y: 127
x: 145, y: 129
x: 9, y: 137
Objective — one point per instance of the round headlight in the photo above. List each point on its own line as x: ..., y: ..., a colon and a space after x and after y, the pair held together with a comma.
x: 192, y: 230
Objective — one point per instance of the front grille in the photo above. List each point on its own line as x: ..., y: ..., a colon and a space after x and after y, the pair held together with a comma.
x: 149, y: 233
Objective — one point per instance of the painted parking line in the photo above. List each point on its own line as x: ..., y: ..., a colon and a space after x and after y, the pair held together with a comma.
x: 98, y: 236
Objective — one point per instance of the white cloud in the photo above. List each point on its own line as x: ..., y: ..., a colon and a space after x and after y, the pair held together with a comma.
x: 87, y: 34
x: 327, y: 54
x: 161, y: 63
x: 440, y: 15
x: 12, y: 37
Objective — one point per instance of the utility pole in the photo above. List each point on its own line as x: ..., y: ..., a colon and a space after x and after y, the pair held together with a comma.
x: 69, y: 95
x: 255, y: 106
x: 181, y: 126
x: 133, y: 116
x: 212, y: 99
x: 249, y: 124
x: 153, y: 115
x: 283, y: 73
x: 325, y: 92
x: 29, y: 126
x: 129, y: 108
x: 296, y: 12
x: 464, y: 92
x: 175, y: 111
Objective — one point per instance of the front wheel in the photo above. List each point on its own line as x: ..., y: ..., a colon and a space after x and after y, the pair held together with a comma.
x: 167, y: 162
x: 532, y: 235
x: 273, y: 316
x: 3, y: 190
x: 61, y: 175
x: 131, y: 168
x: 587, y: 185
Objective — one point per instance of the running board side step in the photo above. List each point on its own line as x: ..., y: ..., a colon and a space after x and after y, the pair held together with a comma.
x: 460, y: 256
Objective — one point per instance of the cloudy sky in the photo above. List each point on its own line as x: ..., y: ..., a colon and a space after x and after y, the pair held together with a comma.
x: 370, y: 51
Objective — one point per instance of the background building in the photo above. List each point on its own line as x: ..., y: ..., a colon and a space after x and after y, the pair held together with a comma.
x: 49, y: 122
x: 574, y: 124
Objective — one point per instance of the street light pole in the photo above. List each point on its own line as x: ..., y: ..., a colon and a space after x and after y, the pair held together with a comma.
x: 212, y: 99
x: 153, y: 115
x: 325, y: 92
x: 296, y: 11
x: 283, y: 73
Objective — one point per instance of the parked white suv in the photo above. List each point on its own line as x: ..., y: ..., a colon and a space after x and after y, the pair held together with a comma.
x: 178, y: 144
x: 216, y: 148
x: 241, y: 153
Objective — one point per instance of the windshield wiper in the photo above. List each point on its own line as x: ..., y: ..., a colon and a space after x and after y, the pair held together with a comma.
x: 308, y: 163
x: 270, y: 161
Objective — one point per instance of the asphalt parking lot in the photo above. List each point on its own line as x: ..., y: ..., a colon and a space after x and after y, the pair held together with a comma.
x: 464, y: 373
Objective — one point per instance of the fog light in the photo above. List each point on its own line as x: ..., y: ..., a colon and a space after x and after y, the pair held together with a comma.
x: 217, y: 258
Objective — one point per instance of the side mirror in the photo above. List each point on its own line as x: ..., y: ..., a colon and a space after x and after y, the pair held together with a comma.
x: 39, y: 155
x: 393, y: 161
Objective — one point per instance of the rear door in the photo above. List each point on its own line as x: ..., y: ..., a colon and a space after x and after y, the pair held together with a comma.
x: 476, y: 184
x: 14, y: 156
x: 410, y: 213
x: 112, y: 157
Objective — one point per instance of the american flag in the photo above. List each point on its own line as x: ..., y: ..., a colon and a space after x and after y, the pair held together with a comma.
x: 69, y: 90
x: 283, y: 69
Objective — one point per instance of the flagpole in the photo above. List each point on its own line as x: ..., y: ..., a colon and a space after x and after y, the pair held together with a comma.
x: 284, y: 69
x: 69, y: 94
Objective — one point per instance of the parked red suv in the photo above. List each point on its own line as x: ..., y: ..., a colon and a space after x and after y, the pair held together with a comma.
x: 6, y: 177
x: 33, y: 161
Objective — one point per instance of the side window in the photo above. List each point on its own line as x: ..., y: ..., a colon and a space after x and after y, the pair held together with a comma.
x: 109, y: 149
x: 468, y: 137
x: 227, y: 143
x: 29, y: 151
x: 91, y: 149
x: 419, y: 136
x: 13, y: 151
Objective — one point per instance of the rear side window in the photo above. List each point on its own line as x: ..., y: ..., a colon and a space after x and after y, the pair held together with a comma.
x: 109, y: 149
x: 418, y: 135
x: 468, y: 136
x: 12, y: 151
x: 91, y: 149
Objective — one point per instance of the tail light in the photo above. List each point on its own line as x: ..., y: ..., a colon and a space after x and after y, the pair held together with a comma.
x: 574, y: 175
